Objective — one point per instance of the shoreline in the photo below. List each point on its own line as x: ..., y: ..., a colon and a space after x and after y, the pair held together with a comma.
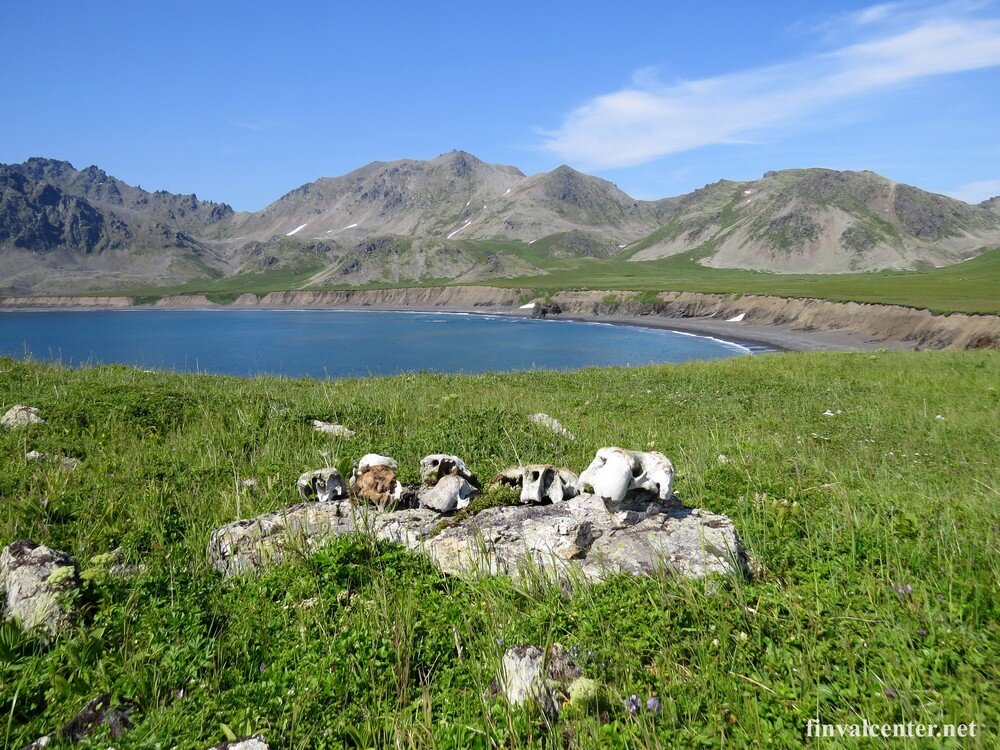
x: 760, y: 322
x: 757, y: 339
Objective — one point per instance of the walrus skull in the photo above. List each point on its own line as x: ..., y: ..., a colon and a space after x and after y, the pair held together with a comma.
x: 540, y: 484
x: 616, y: 474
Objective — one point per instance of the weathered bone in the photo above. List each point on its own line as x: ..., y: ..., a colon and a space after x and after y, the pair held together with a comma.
x: 452, y: 492
x: 539, y: 483
x: 324, y: 485
x: 378, y: 485
x: 438, y: 465
x: 616, y: 474
x: 374, y: 459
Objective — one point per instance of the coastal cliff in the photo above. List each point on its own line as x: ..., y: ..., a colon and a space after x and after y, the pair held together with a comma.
x: 878, y: 323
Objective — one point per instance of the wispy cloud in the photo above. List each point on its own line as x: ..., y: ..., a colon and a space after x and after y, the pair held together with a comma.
x: 893, y: 44
x: 976, y: 192
x: 255, y: 125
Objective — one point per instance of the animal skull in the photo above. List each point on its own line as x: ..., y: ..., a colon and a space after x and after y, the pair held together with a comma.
x: 616, y: 474
x: 375, y: 481
x: 324, y: 485
x: 438, y: 465
x: 540, y: 483
x: 451, y: 493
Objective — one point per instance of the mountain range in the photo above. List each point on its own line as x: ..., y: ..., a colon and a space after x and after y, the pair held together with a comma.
x: 457, y: 217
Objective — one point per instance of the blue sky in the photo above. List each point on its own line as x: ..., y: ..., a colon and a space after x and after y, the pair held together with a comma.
x: 243, y: 102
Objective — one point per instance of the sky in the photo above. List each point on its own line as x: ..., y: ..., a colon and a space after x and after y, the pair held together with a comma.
x: 243, y: 102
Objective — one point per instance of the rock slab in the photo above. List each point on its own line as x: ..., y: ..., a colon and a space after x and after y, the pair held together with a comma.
x: 38, y: 586
x: 575, y: 540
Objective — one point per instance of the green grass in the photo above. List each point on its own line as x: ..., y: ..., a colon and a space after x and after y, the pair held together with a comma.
x: 365, y: 645
x: 969, y: 287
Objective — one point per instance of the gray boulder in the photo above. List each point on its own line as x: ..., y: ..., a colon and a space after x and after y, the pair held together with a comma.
x: 38, y: 586
x: 20, y: 416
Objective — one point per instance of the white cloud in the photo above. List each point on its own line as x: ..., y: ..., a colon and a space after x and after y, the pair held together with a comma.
x: 976, y: 192
x: 646, y: 120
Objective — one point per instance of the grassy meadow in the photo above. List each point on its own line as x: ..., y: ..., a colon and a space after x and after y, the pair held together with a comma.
x: 874, y: 533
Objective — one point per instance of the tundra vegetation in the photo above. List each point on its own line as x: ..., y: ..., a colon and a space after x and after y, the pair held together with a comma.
x: 864, y: 487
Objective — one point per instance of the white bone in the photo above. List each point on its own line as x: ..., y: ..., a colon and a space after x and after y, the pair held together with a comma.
x: 451, y: 493
x: 438, y: 465
x: 615, y: 472
x: 323, y: 485
x: 540, y: 483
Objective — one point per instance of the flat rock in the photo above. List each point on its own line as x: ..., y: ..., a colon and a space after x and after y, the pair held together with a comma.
x: 252, y: 545
x: 38, y: 585
x: 578, y: 539
x: 20, y: 416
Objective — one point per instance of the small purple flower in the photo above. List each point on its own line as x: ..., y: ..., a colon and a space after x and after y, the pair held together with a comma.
x: 261, y: 668
x: 891, y: 694
x: 574, y: 651
x: 248, y: 483
x: 922, y: 632
x: 633, y: 704
x: 500, y: 641
x: 904, y: 589
x: 654, y: 705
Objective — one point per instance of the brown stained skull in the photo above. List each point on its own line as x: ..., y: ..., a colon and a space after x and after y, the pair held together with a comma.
x: 377, y: 485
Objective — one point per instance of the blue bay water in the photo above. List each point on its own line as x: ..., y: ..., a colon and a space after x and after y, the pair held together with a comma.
x: 337, y: 343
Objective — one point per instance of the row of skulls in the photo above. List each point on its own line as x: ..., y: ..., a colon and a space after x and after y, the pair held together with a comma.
x: 617, y: 476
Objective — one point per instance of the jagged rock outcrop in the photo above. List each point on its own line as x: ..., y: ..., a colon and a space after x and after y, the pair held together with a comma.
x: 39, y: 585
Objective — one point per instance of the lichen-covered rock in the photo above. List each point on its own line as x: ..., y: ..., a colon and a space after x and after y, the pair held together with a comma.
x: 254, y: 544
x: 579, y: 540
x: 550, y: 423
x: 451, y: 493
x: 325, y: 485
x: 530, y: 675
x: 539, y: 483
x: 39, y: 585
x: 20, y: 416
